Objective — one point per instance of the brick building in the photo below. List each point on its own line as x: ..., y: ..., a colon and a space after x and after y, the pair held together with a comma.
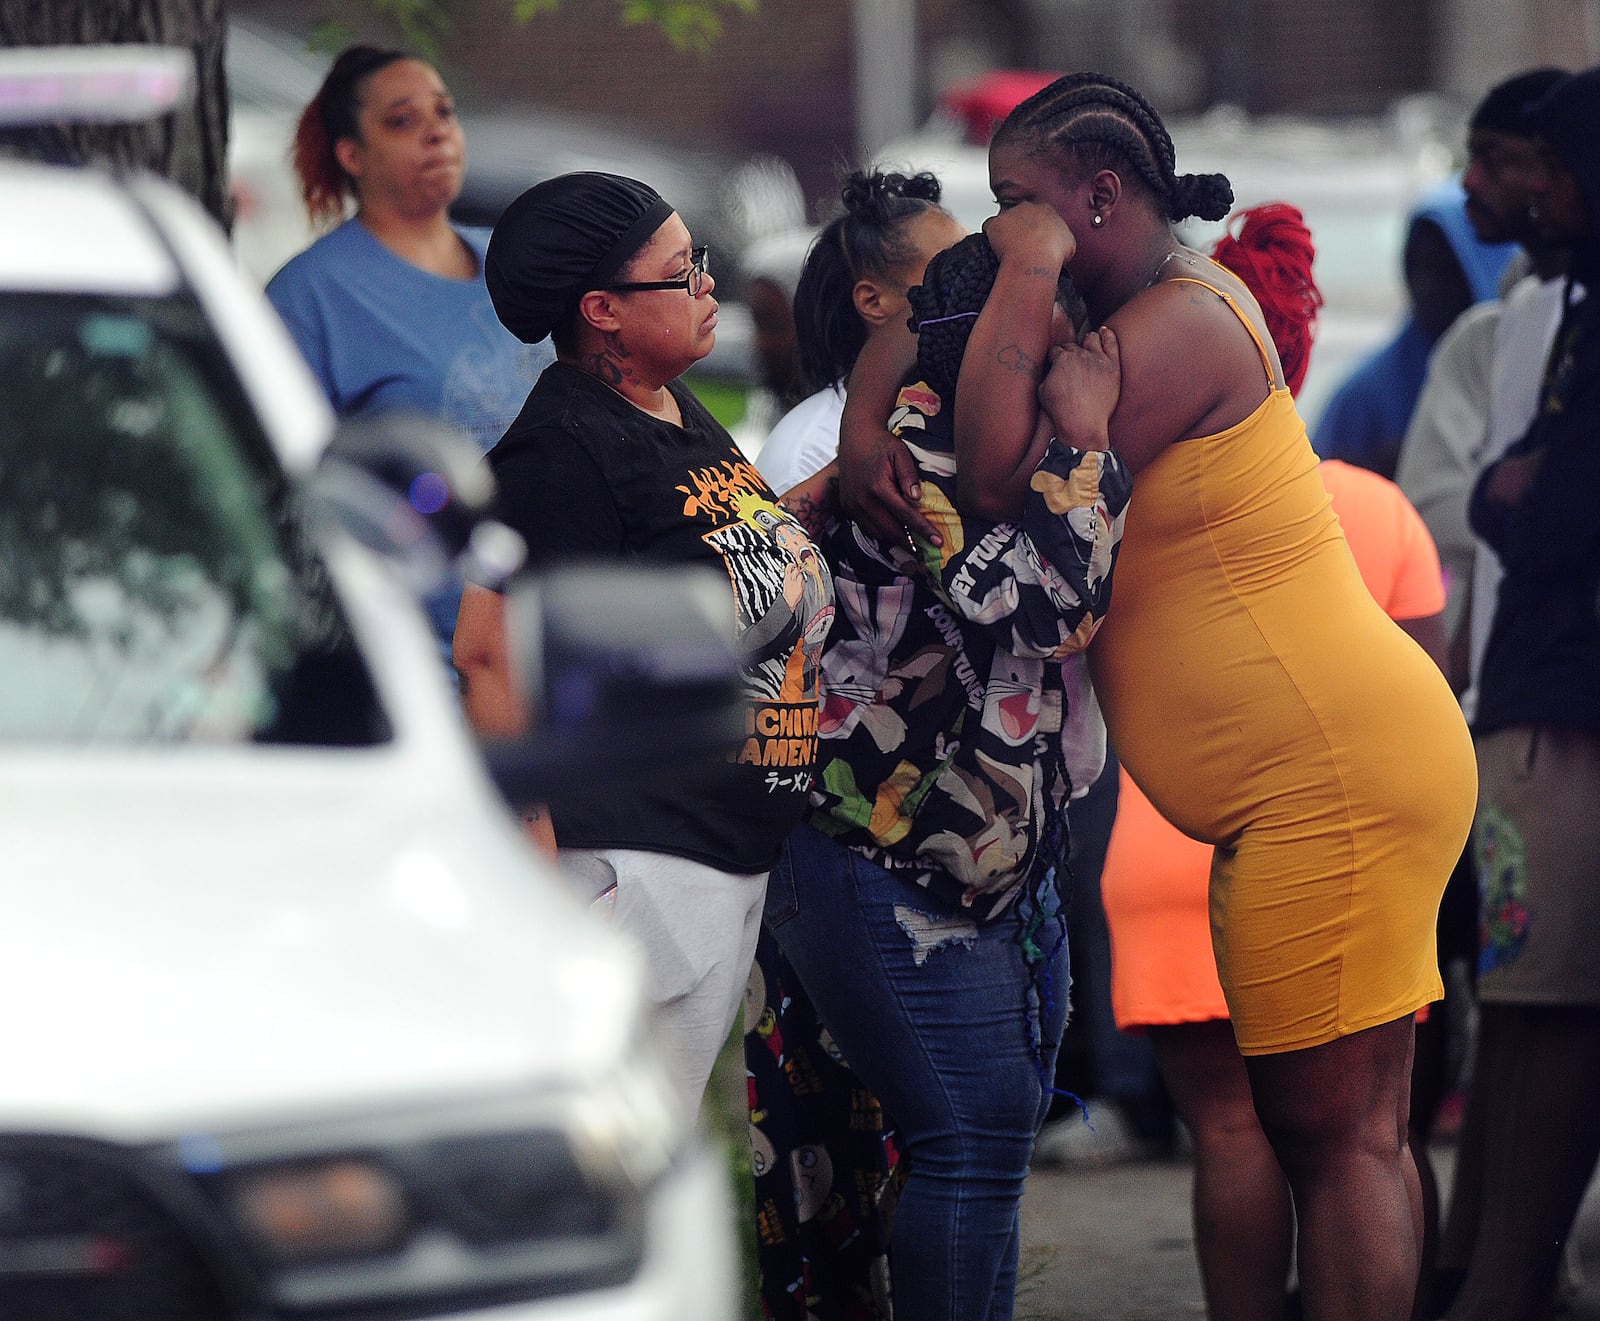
x: 782, y: 80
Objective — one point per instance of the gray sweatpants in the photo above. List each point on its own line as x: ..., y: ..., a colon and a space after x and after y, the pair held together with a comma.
x: 698, y: 927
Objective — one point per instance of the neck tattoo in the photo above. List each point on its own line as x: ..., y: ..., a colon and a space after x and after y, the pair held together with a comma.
x: 662, y: 407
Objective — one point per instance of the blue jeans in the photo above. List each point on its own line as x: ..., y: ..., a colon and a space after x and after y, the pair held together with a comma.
x: 942, y: 1020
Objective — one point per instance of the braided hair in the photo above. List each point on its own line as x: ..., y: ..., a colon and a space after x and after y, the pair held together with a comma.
x: 947, y: 302
x: 1105, y: 124
x: 1272, y: 254
x: 334, y: 113
x: 867, y: 240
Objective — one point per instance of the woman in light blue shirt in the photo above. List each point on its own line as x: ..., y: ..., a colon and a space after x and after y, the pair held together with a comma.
x: 390, y: 308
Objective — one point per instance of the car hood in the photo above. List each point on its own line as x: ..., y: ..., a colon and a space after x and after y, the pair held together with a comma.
x: 249, y: 937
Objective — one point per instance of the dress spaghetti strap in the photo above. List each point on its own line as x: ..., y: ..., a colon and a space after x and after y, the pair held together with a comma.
x: 1261, y: 348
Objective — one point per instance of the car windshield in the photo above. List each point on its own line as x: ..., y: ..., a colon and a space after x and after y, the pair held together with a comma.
x: 155, y: 584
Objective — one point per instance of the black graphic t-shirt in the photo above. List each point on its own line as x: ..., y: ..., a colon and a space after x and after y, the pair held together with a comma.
x: 583, y: 474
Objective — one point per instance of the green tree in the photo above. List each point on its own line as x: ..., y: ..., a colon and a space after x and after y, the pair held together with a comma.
x: 688, y: 24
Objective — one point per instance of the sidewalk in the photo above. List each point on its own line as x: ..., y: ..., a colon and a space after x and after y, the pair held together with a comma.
x: 1114, y: 1244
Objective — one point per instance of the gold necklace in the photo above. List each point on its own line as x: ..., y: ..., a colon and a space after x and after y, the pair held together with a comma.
x: 1161, y: 266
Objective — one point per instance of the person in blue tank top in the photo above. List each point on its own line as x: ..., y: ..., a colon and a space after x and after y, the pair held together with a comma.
x: 390, y: 309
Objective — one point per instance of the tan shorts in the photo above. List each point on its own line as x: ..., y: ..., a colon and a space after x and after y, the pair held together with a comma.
x: 1537, y: 842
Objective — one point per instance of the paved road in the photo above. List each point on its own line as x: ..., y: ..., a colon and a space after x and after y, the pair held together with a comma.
x: 1109, y: 1244
x: 1114, y: 1244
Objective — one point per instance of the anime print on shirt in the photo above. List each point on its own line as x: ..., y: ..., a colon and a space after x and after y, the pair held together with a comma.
x: 584, y: 475
x: 783, y: 602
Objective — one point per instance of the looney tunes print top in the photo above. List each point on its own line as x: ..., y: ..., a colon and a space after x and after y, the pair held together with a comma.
x: 956, y: 717
x: 583, y: 474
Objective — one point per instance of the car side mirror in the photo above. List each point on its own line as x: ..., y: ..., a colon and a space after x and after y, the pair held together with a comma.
x: 630, y: 673
x: 418, y: 492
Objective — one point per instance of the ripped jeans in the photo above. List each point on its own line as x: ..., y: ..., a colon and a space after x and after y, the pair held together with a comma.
x: 938, y: 1015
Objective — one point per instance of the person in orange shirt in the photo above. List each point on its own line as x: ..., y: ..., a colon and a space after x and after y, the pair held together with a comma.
x: 1163, y: 971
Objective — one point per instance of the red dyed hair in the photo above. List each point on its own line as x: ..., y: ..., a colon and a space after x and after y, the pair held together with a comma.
x: 1272, y: 253
x: 332, y: 114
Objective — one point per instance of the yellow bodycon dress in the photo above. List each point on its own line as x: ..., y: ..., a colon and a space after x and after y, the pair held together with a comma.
x: 1266, y: 704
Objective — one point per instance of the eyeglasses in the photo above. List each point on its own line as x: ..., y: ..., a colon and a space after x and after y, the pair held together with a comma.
x: 692, y: 282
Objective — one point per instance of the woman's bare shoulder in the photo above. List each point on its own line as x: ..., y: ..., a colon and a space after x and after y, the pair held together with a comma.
x: 1184, y: 355
x: 1173, y: 311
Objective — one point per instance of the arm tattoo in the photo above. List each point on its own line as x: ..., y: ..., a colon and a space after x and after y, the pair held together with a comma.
x: 1013, y: 359
x: 812, y: 509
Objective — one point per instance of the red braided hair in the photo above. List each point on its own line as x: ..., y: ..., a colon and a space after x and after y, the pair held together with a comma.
x: 1272, y: 253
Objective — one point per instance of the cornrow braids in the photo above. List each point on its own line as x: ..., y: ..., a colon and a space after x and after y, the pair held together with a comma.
x: 867, y: 241
x: 1105, y: 123
x: 947, y: 302
x: 334, y: 113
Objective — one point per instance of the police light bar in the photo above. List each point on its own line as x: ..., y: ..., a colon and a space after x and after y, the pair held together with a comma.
x: 92, y: 84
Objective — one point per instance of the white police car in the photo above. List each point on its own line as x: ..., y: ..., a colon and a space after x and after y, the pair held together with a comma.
x: 297, y: 1026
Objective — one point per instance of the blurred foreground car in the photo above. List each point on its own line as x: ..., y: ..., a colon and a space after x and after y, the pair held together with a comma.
x: 300, y: 1028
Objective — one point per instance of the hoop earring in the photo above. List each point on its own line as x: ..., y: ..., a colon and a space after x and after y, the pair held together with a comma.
x: 1097, y: 220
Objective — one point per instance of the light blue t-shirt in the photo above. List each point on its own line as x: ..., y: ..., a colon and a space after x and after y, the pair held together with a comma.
x: 380, y: 333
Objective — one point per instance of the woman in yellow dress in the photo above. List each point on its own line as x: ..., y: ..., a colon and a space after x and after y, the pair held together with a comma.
x: 1253, y: 688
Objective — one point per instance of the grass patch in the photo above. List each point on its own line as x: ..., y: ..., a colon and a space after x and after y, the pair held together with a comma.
x: 1033, y: 1266
x: 725, y: 400
x: 727, y: 1119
